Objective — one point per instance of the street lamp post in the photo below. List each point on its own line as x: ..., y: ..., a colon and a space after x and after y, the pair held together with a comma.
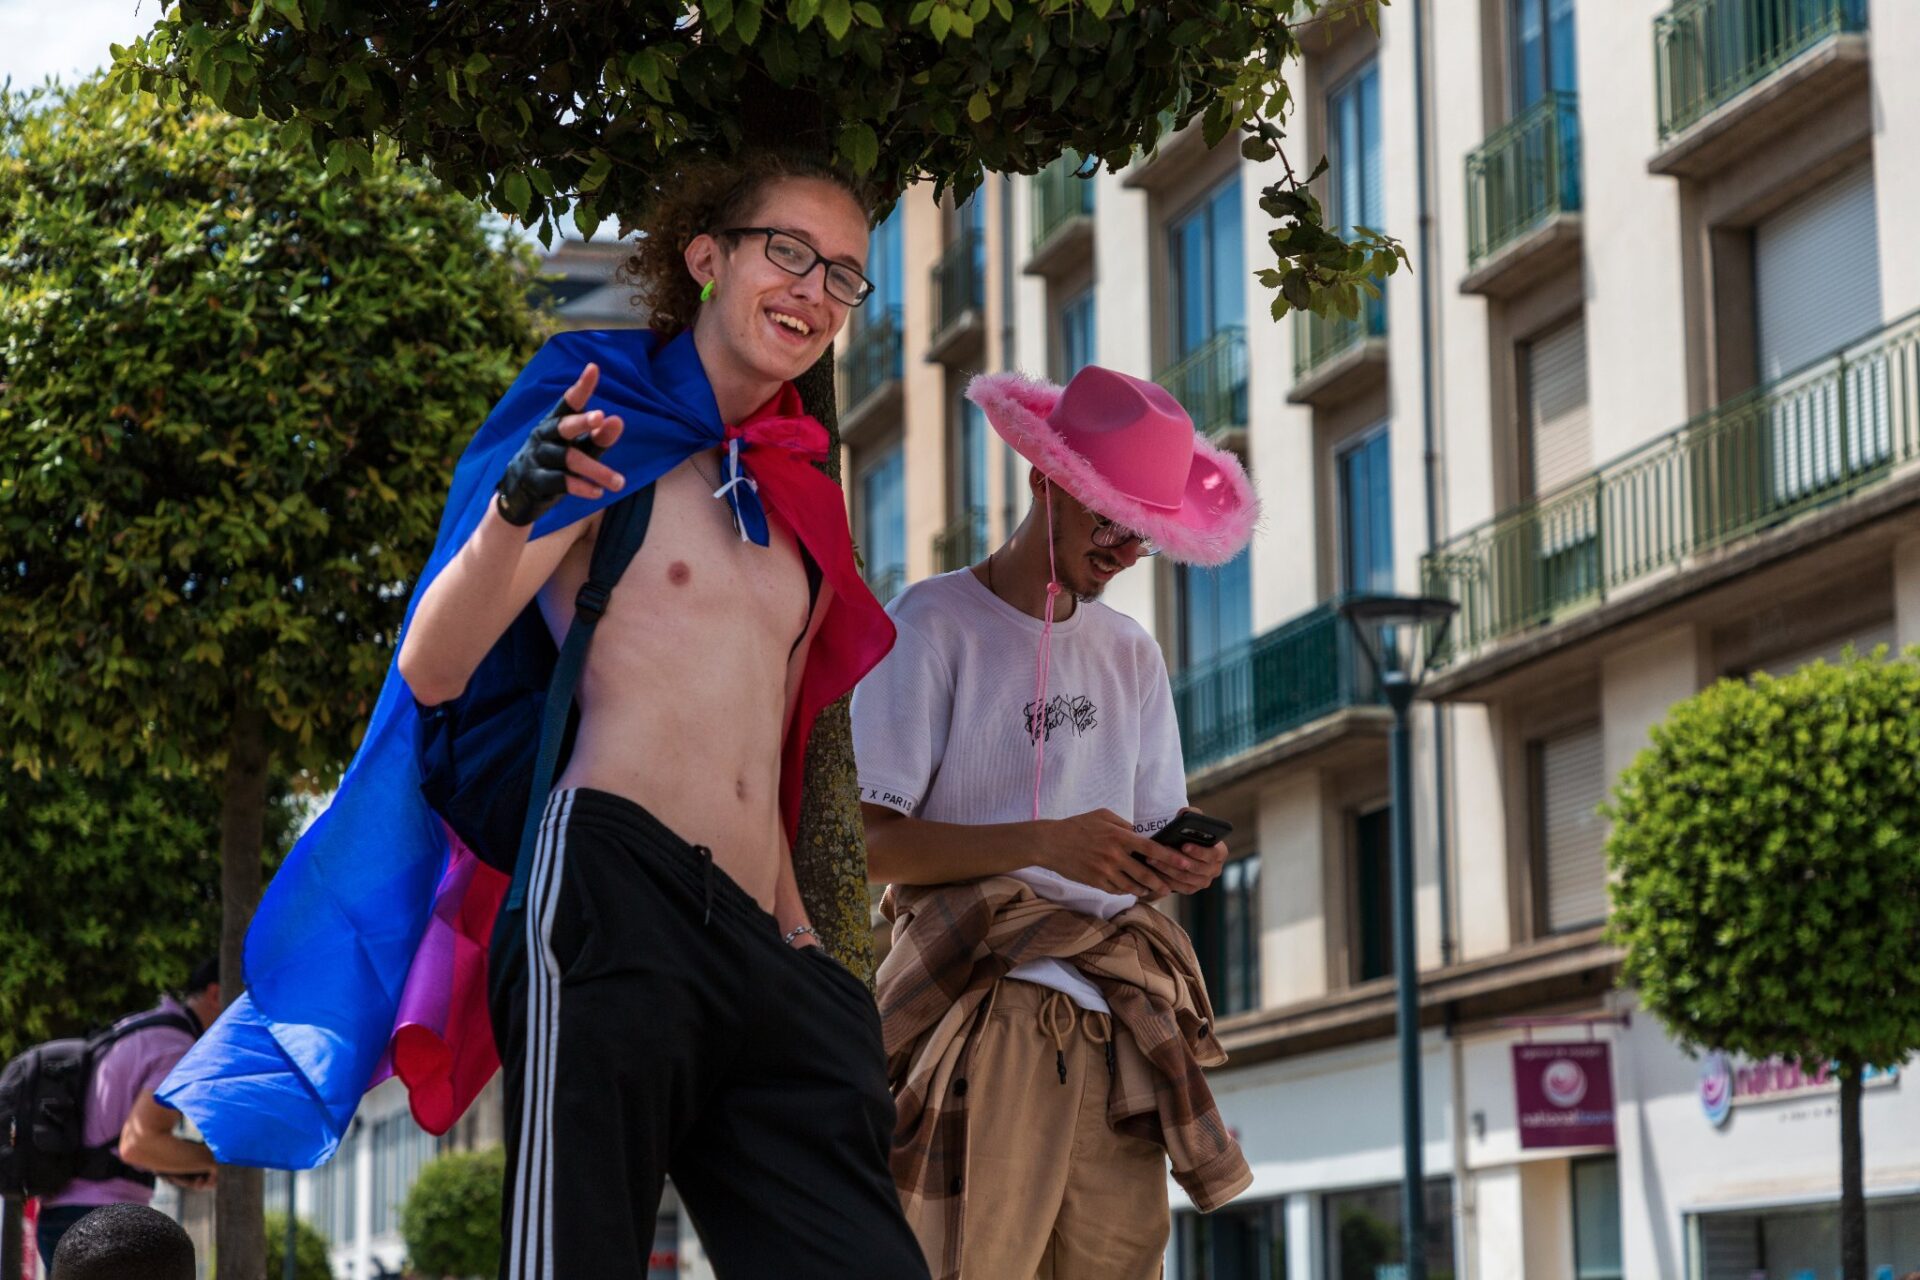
x: 1398, y: 634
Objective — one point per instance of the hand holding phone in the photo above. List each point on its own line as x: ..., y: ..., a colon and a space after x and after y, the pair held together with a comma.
x: 1193, y: 828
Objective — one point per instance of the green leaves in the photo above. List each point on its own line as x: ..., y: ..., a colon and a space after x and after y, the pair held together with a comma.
x: 1765, y: 849
x: 903, y: 91
x: 238, y: 385
x: 451, y: 1218
x: 860, y: 147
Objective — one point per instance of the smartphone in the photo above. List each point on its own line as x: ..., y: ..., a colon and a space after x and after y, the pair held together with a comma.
x: 1193, y: 828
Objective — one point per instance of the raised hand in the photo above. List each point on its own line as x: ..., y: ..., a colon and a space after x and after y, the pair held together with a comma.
x: 561, y: 456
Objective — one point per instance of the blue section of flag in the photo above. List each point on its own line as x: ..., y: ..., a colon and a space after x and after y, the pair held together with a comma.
x: 276, y: 1080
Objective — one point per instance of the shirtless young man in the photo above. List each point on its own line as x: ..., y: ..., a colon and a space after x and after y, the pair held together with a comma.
x: 660, y: 1003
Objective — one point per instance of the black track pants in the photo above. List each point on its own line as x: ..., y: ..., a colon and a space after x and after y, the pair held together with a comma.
x: 651, y: 1022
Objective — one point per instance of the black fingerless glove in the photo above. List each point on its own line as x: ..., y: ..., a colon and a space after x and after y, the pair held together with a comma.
x: 537, y: 476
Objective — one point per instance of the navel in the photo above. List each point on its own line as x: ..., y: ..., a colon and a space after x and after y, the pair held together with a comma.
x: 678, y: 573
x: 740, y: 788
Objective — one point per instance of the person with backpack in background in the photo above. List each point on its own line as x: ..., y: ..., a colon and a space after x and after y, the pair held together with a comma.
x: 124, y: 1135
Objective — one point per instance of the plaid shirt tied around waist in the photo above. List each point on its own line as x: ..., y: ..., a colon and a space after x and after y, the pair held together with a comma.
x: 951, y: 944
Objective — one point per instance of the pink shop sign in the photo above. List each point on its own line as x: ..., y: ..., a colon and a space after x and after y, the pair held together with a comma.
x: 1727, y: 1082
x: 1564, y: 1094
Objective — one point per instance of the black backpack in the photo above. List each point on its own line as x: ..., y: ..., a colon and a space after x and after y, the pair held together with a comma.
x: 43, y: 1102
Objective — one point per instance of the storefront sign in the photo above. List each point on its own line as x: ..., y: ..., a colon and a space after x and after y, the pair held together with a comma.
x: 1726, y: 1083
x: 1564, y: 1094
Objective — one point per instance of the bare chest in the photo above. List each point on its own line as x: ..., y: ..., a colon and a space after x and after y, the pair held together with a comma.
x: 695, y: 587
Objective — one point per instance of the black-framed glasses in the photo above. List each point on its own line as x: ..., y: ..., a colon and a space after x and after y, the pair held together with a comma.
x: 1109, y: 536
x: 798, y: 258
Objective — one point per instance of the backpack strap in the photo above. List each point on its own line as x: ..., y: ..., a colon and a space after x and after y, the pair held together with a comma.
x: 102, y: 1163
x: 623, y: 528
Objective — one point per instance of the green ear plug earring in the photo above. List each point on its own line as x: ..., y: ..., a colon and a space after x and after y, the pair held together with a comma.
x: 706, y: 292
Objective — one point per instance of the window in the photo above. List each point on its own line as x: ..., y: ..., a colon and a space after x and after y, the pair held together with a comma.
x: 1372, y: 931
x: 1596, y: 1219
x: 1077, y: 343
x: 335, y: 1189
x: 1558, y: 439
x: 1363, y: 1232
x: 1817, y: 289
x: 400, y: 1149
x: 883, y: 522
x: 969, y: 222
x: 1803, y: 1241
x: 1240, y: 1242
x: 1353, y: 151
x: 1542, y: 50
x: 883, y: 268
x: 1355, y: 164
x: 1569, y: 783
x: 1226, y: 936
x: 969, y: 458
x: 1214, y: 607
x: 1365, y: 512
x: 1208, y: 269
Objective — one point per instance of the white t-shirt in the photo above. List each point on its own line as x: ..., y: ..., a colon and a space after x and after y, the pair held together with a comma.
x: 944, y: 729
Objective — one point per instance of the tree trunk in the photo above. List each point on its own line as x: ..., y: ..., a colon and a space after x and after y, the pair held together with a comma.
x: 1853, y: 1197
x: 830, y: 855
x: 239, y: 1223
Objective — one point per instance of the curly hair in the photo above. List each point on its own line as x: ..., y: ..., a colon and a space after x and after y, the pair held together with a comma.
x: 704, y: 198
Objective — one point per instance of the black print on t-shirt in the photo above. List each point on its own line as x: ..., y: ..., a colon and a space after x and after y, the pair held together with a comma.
x: 1076, y: 714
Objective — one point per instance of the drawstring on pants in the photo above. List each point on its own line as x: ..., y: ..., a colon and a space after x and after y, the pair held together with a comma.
x: 1058, y: 1015
x: 706, y: 880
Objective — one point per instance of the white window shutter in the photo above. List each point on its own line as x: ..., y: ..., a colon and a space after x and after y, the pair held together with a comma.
x: 1573, y: 783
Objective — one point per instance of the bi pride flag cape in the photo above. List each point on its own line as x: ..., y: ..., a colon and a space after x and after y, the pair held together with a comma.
x: 368, y: 954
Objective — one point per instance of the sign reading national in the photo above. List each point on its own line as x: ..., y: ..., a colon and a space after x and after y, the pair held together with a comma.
x: 1564, y: 1094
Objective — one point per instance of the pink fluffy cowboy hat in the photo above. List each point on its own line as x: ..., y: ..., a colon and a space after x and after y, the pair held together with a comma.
x: 1127, y: 450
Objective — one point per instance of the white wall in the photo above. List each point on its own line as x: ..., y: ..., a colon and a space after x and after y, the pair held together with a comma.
x: 1332, y: 1120
x: 1280, y: 435
x: 1672, y: 1161
x: 1636, y: 334
x: 1293, y: 919
x: 1638, y: 686
x: 1894, y: 39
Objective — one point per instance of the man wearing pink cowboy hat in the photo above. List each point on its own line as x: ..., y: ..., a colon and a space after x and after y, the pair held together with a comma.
x: 1044, y: 1027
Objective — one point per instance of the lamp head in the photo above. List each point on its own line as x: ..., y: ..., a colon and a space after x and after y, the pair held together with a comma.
x: 1399, y: 634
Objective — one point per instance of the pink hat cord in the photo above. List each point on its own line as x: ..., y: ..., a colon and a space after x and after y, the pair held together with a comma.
x: 1043, y: 661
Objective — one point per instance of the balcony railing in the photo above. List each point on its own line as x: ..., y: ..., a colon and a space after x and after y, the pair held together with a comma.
x: 959, y: 280
x: 1318, y: 339
x: 887, y: 582
x: 1059, y: 197
x: 1276, y: 682
x: 1708, y: 52
x: 1523, y: 175
x: 1800, y: 442
x: 1210, y: 382
x: 872, y: 360
x: 960, y: 543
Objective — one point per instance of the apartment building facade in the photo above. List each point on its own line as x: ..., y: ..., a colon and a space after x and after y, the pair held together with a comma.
x: 1654, y: 423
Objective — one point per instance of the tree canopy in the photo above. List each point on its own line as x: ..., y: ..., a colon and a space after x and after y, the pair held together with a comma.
x: 1766, y: 850
x: 551, y: 110
x: 236, y: 385
x: 451, y: 1218
x: 1767, y: 855
x: 235, y: 389
x: 109, y: 894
